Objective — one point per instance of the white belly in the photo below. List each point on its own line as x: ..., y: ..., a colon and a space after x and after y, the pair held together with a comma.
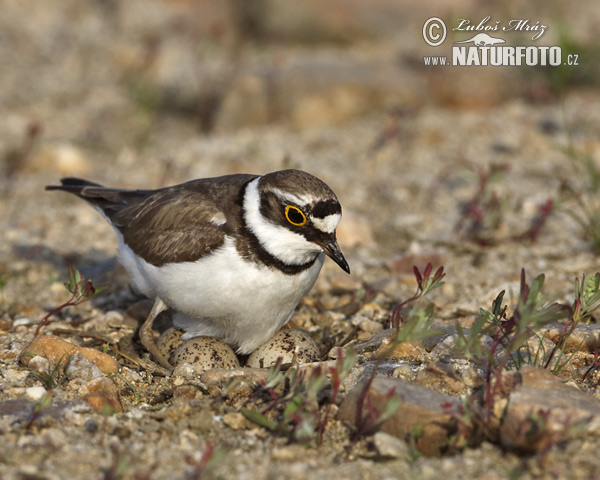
x: 222, y: 295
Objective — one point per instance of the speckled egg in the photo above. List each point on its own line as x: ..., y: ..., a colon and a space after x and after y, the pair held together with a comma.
x: 169, y: 341
x: 205, y: 353
x: 284, y: 344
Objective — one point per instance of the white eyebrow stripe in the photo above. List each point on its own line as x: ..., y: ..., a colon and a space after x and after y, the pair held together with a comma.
x: 290, y: 197
x: 327, y: 224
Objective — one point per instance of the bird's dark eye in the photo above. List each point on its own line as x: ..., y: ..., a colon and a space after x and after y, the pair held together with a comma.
x: 295, y: 216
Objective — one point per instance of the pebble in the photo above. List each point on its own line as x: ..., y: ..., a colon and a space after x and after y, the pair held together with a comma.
x: 40, y: 364
x: 542, y: 410
x: 389, y: 446
x: 290, y: 345
x: 35, y: 393
x: 57, y: 350
x: 81, y: 368
x: 102, y: 395
x: 421, y: 407
x: 236, y: 421
x: 366, y: 324
x: 15, y: 377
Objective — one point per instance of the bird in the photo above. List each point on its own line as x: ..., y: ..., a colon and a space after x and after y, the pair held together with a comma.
x: 232, y: 256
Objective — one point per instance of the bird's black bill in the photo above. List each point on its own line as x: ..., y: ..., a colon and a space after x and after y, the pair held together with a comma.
x: 332, y: 250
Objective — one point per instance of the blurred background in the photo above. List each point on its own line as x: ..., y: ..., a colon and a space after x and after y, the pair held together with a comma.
x: 103, y: 79
x: 148, y: 93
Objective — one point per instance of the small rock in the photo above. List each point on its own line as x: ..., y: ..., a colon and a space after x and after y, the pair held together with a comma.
x: 57, y: 350
x: 442, y: 377
x: 290, y: 345
x: 81, y: 368
x: 186, y: 393
x: 15, y: 377
x: 102, y: 395
x: 35, y: 393
x: 40, y: 365
x: 413, y: 351
x: 389, y: 446
x: 234, y: 382
x: 236, y: 421
x: 586, y: 337
x: 204, y: 353
x: 537, y: 351
x: 429, y: 411
x: 542, y: 411
x: 367, y: 325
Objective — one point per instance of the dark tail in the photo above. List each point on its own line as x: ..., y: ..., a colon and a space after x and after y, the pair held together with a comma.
x: 110, y: 200
x: 74, y: 185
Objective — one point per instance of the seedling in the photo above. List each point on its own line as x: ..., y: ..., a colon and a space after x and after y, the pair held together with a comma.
x: 416, y: 326
x: 81, y: 290
x: 292, y: 399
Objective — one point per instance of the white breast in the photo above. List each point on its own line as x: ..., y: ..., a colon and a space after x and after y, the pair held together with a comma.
x: 223, y: 295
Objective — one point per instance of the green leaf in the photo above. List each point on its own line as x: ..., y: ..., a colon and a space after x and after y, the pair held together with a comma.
x: 259, y: 419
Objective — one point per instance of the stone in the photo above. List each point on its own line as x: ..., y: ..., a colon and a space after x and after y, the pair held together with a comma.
x: 442, y: 377
x: 35, y: 393
x: 40, y: 365
x: 542, y: 411
x: 586, y: 337
x: 423, y: 411
x: 81, y: 368
x: 233, y: 382
x: 57, y: 350
x: 236, y: 421
x: 390, y: 447
x: 102, y: 395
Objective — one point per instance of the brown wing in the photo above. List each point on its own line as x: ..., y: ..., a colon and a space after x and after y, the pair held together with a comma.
x: 174, y: 224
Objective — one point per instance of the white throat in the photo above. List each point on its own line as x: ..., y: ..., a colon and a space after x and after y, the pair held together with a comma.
x: 285, y: 245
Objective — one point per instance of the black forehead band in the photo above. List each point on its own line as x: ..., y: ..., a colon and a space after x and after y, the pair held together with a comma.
x: 326, y: 207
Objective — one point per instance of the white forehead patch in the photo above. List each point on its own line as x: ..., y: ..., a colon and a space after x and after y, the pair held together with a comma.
x: 327, y: 224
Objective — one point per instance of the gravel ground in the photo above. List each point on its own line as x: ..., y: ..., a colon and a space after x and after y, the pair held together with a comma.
x: 99, y: 90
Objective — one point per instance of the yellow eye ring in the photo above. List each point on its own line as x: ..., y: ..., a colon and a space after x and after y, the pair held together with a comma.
x: 295, y: 216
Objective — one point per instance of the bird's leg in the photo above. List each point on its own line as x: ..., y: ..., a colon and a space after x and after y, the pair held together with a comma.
x: 147, y: 334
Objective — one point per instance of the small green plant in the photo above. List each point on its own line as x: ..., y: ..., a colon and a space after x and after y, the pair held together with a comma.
x: 417, y: 323
x: 292, y: 399
x: 509, y: 333
x: 55, y: 377
x: 40, y: 406
x: 81, y: 290
x: 412, y: 326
